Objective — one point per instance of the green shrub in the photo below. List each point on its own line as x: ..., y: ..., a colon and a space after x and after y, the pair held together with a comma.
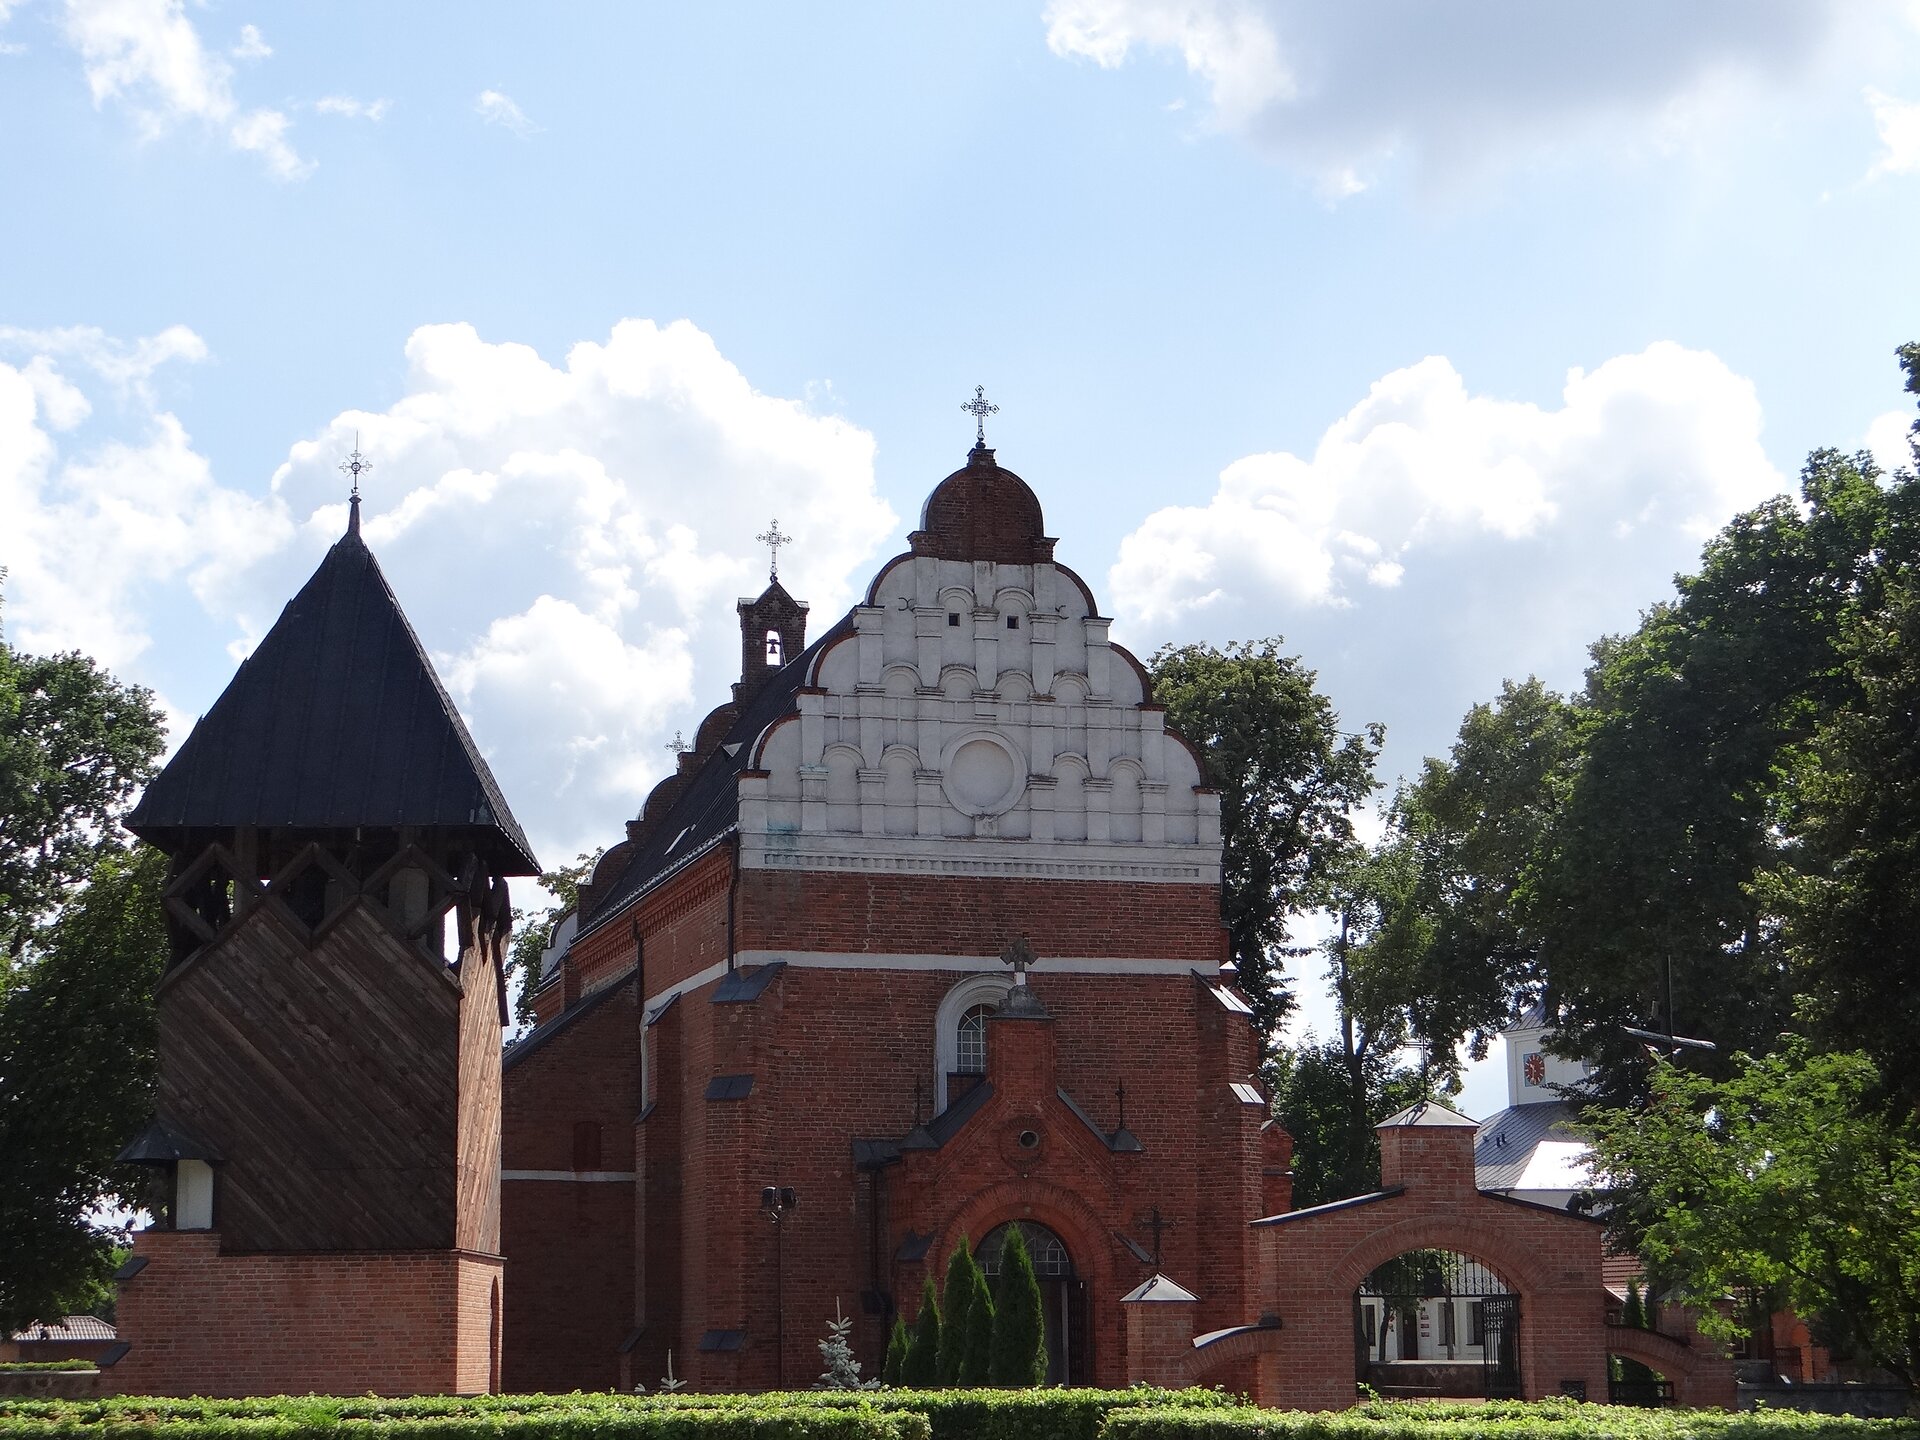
x: 976, y: 1360
x: 923, y: 1351
x: 19, y: 1367
x: 1019, y: 1355
x: 1498, y: 1420
x: 955, y: 1300
x: 897, y: 1346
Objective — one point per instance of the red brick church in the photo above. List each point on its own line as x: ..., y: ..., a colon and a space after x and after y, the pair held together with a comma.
x: 922, y: 941
x: 792, y: 974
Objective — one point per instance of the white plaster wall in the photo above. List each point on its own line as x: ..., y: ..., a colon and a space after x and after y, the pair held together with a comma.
x: 978, y: 703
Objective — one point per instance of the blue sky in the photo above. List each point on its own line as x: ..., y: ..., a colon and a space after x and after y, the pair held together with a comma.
x: 1431, y: 337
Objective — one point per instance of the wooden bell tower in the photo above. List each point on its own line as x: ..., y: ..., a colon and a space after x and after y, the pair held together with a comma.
x: 327, y: 1132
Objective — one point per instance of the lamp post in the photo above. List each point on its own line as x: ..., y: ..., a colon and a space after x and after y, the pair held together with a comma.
x: 777, y: 1202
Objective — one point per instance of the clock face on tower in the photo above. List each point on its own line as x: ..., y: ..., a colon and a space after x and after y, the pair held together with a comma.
x: 1533, y: 1068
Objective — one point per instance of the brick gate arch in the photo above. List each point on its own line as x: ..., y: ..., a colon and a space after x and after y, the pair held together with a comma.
x: 1313, y: 1261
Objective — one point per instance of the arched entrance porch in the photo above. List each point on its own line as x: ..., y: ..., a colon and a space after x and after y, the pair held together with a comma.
x: 1063, y: 1297
x: 1437, y: 1323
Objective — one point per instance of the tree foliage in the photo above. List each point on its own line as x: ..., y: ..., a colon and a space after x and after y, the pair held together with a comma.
x: 1792, y: 1182
x: 1289, y: 780
x: 1019, y: 1353
x: 74, y: 746
x: 534, y: 928
x: 898, y: 1344
x: 922, y: 1367
x: 976, y: 1360
x: 955, y: 1300
x: 1311, y: 1087
x: 76, y: 1083
x: 82, y: 945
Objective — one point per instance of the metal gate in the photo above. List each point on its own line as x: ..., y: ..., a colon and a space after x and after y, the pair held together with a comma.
x: 1500, y: 1328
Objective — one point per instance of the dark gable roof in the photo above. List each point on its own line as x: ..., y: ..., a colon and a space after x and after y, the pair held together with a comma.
x: 336, y: 720
x: 709, y: 807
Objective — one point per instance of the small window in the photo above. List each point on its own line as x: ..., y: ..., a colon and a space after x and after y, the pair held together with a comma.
x: 1013, y: 622
x: 774, y: 651
x: 971, y: 1052
x: 953, y: 621
x: 586, y: 1145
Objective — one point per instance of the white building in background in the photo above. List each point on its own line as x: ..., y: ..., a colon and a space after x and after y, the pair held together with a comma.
x: 1529, y: 1150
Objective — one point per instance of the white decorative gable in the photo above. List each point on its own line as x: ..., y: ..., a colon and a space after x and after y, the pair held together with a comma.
x: 975, y: 720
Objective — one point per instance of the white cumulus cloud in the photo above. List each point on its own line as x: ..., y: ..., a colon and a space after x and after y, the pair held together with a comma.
x: 568, y: 537
x: 1422, y: 469
x: 147, y: 55
x: 1437, y: 540
x: 499, y: 109
x: 1898, y: 124
x: 1340, y: 91
x: 251, y: 45
x: 351, y: 108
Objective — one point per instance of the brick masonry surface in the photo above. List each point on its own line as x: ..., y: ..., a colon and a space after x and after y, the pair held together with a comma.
x: 390, y: 1323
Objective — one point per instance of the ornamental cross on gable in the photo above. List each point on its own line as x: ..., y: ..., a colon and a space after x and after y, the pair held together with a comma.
x: 980, y: 407
x: 1019, y: 955
x: 773, y: 540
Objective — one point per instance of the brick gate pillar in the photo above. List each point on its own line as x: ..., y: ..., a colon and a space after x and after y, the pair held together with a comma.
x: 1159, y: 1332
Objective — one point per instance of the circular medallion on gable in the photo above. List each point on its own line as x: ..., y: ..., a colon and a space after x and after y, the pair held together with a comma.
x: 983, y: 774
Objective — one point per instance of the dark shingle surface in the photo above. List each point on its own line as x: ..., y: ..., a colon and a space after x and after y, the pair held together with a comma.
x: 710, y: 805
x: 336, y: 720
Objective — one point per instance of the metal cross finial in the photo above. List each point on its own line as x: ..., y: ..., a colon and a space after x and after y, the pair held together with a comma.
x: 355, y: 465
x: 980, y: 407
x: 1019, y: 955
x: 1159, y: 1225
x: 676, y: 744
x: 773, y: 540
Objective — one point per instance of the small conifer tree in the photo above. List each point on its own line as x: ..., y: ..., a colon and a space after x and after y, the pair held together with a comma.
x: 954, y: 1301
x: 836, y: 1353
x: 976, y: 1360
x: 1019, y: 1354
x: 1633, y: 1315
x: 897, y: 1344
x: 922, y: 1369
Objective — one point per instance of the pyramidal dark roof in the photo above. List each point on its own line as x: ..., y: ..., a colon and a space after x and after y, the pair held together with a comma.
x: 336, y: 720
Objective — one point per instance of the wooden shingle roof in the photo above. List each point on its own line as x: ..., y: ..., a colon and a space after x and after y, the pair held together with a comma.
x: 336, y: 720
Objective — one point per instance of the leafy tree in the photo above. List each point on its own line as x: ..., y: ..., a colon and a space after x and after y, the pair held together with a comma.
x: 922, y: 1367
x: 1019, y: 1354
x: 1476, y: 826
x: 76, y: 1082
x: 893, y: 1372
x: 954, y: 1303
x: 1680, y: 806
x: 1288, y: 779
x: 82, y: 944
x: 1851, y: 893
x: 1788, y: 1179
x: 1312, y: 1097
x: 533, y: 929
x: 74, y: 745
x: 976, y: 1361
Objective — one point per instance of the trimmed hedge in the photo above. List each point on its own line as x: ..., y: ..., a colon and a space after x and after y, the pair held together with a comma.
x: 43, y: 1366
x: 800, y: 1415
x: 1137, y: 1414
x: 1495, y: 1420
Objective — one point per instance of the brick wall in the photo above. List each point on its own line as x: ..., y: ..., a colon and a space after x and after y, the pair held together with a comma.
x: 977, y: 915
x: 568, y: 1241
x: 393, y: 1323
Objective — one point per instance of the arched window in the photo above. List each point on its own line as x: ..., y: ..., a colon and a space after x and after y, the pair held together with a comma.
x: 1048, y: 1250
x: 971, y: 1041
x: 960, y: 1035
x: 774, y: 654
